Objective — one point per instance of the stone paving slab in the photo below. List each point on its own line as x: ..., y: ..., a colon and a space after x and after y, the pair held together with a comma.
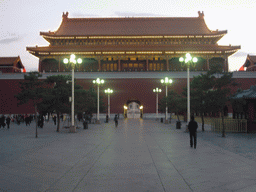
x: 138, y: 155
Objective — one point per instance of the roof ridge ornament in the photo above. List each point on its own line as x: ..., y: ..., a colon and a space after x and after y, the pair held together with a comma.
x: 65, y: 15
x: 201, y: 14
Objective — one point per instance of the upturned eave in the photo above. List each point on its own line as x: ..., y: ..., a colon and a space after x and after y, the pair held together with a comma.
x: 134, y: 50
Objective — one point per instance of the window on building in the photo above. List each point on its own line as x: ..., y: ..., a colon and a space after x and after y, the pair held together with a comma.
x: 154, y: 68
x: 111, y: 67
x: 158, y: 67
x: 115, y: 67
x: 150, y: 66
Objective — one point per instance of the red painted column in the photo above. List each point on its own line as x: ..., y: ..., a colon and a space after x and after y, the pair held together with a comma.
x: 147, y: 63
x: 226, y: 64
x: 99, y: 64
x: 207, y: 63
x: 40, y: 65
x: 119, y: 65
x: 167, y: 63
x: 59, y: 64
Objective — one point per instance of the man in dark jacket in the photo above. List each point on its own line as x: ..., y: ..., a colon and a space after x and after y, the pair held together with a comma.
x: 8, y: 120
x: 116, y: 120
x: 2, y: 121
x: 192, y: 127
x: 54, y: 119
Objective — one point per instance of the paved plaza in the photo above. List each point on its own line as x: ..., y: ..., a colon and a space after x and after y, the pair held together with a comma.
x: 138, y: 155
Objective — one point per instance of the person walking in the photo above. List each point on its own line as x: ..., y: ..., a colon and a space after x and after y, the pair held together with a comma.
x: 41, y: 121
x: 27, y: 120
x: 107, y: 118
x: 54, y: 119
x: 116, y: 120
x: 8, y: 120
x: 192, y: 127
x: 18, y: 119
x: 2, y: 121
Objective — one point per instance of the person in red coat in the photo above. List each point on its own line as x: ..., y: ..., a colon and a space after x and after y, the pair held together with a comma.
x: 192, y: 127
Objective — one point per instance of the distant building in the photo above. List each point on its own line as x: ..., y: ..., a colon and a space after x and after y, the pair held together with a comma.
x: 132, y: 44
x: 250, y: 63
x: 131, y: 54
x: 247, y: 108
x: 11, y: 65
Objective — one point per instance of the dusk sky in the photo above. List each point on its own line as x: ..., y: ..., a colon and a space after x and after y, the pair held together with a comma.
x: 22, y: 20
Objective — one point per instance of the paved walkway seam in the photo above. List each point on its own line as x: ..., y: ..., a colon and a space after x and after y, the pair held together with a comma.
x: 156, y: 168
x: 174, y: 167
x: 91, y: 167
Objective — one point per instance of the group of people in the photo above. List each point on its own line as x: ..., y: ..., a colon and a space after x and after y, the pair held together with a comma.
x: 28, y: 119
x: 192, y: 126
x: 5, y: 121
x: 115, y: 119
x: 40, y: 121
x: 23, y: 118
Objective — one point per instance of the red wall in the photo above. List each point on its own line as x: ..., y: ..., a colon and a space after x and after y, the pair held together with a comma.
x: 10, y: 70
x: 124, y: 90
x: 133, y: 89
x: 8, y: 102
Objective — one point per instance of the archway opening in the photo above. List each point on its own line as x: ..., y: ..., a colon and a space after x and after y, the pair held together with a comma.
x: 133, y: 109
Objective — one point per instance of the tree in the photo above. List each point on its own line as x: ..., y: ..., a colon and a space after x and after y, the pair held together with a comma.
x: 210, y: 93
x: 31, y: 89
x: 220, y: 94
x: 200, y: 87
x: 86, y: 101
x: 56, y: 96
x: 175, y: 103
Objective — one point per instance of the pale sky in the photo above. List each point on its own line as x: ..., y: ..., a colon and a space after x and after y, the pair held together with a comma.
x: 22, y: 20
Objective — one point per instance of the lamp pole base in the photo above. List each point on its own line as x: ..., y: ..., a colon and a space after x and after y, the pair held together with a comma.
x: 72, y: 129
x: 97, y: 122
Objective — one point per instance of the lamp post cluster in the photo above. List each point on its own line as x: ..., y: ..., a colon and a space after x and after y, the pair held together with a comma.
x: 188, y: 60
x: 73, y: 61
x: 156, y: 90
x: 99, y: 82
x: 166, y: 81
x: 108, y: 91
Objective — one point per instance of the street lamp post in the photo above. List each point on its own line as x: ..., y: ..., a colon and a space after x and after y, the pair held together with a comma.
x: 156, y: 90
x: 141, y: 111
x: 166, y: 81
x: 98, y: 81
x: 108, y: 91
x: 73, y: 61
x: 125, y: 111
x: 189, y: 60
